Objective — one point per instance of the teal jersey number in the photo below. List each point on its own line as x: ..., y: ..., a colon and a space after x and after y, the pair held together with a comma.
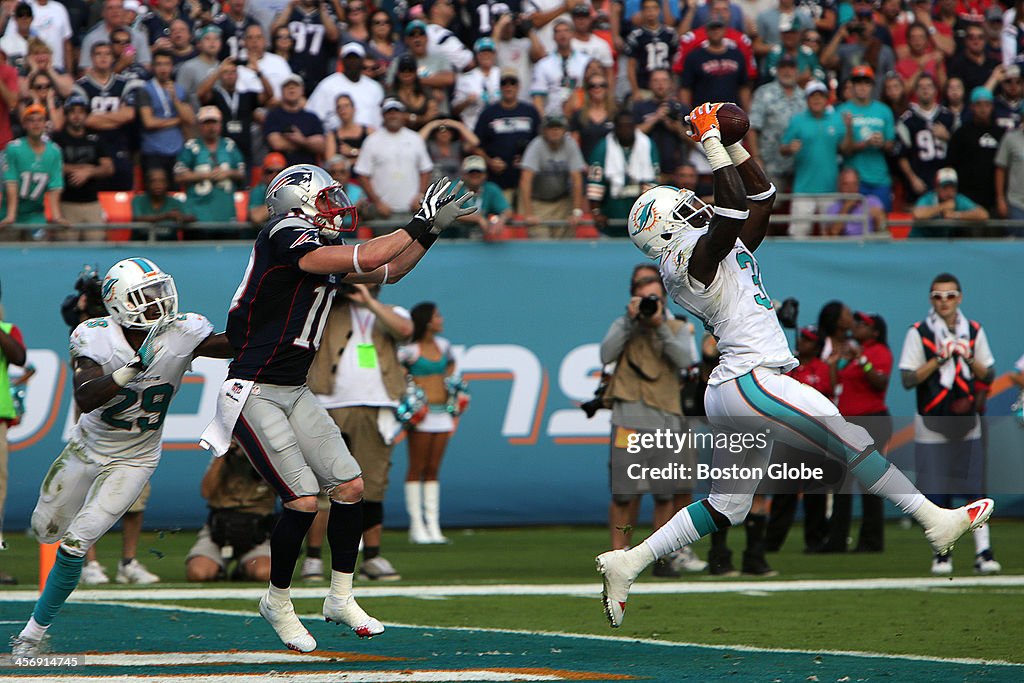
x: 745, y: 260
x: 155, y: 399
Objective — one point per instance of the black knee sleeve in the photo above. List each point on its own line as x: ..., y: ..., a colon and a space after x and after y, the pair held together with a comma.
x: 373, y: 514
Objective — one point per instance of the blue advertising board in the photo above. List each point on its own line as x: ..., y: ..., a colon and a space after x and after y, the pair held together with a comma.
x: 525, y: 319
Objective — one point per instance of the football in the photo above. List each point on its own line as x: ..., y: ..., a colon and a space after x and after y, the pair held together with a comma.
x: 734, y: 123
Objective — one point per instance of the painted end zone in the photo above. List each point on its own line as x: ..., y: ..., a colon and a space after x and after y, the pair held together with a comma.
x: 141, y: 643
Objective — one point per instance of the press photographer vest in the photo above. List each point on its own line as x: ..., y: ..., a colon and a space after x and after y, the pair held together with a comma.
x: 6, y: 401
x: 336, y: 335
x: 934, y: 400
x: 241, y: 489
x: 643, y: 373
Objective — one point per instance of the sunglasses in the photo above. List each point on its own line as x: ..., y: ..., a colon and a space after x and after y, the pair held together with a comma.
x: 45, y: 86
x: 416, y: 34
x: 595, y: 86
x: 120, y: 42
x: 509, y: 81
x: 381, y: 22
x: 945, y: 296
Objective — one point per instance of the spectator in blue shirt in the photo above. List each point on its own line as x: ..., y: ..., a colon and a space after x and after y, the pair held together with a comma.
x: 945, y: 203
x: 812, y: 139
x: 870, y: 133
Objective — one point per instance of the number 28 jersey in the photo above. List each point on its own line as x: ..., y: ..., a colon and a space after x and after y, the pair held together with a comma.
x: 278, y: 313
x: 735, y: 308
x: 130, y: 425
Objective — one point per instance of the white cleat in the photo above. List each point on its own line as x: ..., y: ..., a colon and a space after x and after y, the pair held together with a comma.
x: 985, y: 564
x: 949, y: 525
x: 312, y: 569
x: 93, y: 574
x: 25, y: 647
x: 289, y: 629
x: 686, y: 560
x: 135, y: 572
x: 344, y: 610
x: 619, y: 570
x: 942, y: 566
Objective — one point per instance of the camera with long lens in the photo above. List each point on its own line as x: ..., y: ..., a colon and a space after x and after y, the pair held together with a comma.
x: 598, y: 402
x: 787, y: 313
x: 648, y: 306
x: 676, y: 110
x: 88, y: 285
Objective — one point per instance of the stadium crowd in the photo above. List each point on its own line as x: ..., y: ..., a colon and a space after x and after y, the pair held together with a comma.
x: 563, y: 112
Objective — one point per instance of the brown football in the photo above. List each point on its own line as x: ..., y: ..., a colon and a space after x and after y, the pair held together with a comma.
x: 734, y: 123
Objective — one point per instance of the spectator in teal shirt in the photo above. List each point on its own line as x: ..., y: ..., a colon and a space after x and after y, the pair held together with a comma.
x: 493, y: 209
x: 870, y: 133
x: 945, y: 203
x: 211, y: 168
x: 812, y: 139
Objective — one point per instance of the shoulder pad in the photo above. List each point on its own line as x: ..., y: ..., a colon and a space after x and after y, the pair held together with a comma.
x: 291, y: 222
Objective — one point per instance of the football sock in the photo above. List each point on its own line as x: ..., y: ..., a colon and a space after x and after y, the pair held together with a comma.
x: 885, y: 480
x: 686, y: 526
x: 125, y: 561
x: 33, y: 630
x: 286, y: 543
x: 370, y: 552
x: 341, y: 583
x: 344, y: 528
x: 314, y: 552
x: 982, y: 542
x: 61, y: 581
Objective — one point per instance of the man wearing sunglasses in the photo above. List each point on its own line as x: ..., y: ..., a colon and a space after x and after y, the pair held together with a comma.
x: 943, y: 358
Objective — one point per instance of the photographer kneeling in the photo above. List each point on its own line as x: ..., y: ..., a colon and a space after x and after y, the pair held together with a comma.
x: 238, y: 528
x: 650, y: 349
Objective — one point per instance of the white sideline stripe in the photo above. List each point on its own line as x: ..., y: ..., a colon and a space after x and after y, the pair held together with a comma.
x: 439, y: 676
x: 565, y: 589
x: 617, y: 639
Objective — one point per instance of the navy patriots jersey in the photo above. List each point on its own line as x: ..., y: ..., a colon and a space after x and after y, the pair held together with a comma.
x: 232, y: 31
x: 313, y: 54
x: 925, y: 152
x: 652, y: 50
x: 109, y: 97
x: 278, y: 313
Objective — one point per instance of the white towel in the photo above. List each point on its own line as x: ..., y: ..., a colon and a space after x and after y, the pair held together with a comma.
x: 217, y: 436
x: 943, y: 335
x: 639, y: 169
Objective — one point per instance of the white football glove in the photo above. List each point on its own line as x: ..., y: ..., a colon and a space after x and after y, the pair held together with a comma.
x: 962, y: 348
x: 451, y: 210
x: 432, y: 200
x: 945, y: 350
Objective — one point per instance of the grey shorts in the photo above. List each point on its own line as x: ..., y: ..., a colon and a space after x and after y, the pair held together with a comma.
x: 293, y: 443
x: 205, y: 547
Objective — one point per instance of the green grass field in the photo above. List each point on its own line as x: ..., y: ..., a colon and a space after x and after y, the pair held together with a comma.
x: 959, y: 618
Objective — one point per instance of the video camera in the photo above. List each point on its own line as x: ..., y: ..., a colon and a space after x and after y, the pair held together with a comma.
x: 787, y: 312
x: 88, y: 285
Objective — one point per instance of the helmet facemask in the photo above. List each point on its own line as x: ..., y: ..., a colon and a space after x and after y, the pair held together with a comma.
x: 147, y: 304
x: 335, y: 212
x: 692, y: 211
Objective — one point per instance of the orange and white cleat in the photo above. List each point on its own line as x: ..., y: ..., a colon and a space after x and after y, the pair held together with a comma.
x: 945, y: 528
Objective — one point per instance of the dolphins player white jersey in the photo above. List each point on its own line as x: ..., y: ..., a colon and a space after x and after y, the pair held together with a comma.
x: 130, y: 425
x: 736, y: 309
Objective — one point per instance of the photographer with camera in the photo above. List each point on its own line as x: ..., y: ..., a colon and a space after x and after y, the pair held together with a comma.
x: 661, y: 119
x: 239, y: 524
x: 650, y: 349
x: 856, y: 43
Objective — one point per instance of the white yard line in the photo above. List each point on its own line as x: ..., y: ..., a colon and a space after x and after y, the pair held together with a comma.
x: 154, y: 593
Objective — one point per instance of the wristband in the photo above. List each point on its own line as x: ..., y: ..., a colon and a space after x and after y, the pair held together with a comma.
x: 122, y: 376
x: 427, y: 239
x: 717, y: 155
x: 737, y: 153
x: 355, y: 260
x: 761, y: 196
x: 732, y: 213
x: 416, y: 227
x: 385, y: 280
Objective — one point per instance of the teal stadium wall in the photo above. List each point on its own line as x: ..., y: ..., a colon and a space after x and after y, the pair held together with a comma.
x: 526, y: 319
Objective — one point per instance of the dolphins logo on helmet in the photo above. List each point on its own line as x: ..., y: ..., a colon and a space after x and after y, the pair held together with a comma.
x: 661, y: 214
